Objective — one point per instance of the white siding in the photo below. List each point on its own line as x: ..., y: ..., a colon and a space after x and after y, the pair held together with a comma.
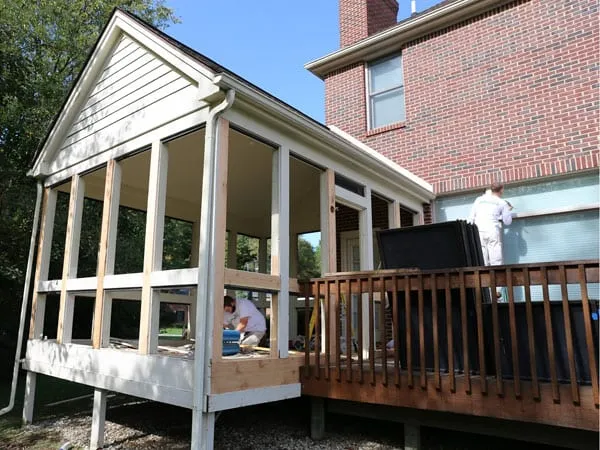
x: 135, y: 93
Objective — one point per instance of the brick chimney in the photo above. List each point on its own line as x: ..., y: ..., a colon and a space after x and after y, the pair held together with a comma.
x: 361, y: 18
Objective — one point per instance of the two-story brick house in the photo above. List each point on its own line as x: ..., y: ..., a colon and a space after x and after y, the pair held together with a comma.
x: 474, y: 91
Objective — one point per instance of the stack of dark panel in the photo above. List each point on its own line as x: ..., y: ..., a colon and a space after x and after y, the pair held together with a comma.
x: 429, y: 247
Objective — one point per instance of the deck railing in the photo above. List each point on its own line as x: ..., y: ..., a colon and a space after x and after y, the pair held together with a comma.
x: 428, y: 328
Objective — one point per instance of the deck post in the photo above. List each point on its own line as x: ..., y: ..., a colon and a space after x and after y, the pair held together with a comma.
x: 328, y: 247
x: 365, y: 227
x: 98, y: 419
x: 194, y: 261
x: 317, y: 418
x: 232, y: 238
x: 412, y: 437
x: 262, y: 265
x: 30, y: 382
x: 293, y: 320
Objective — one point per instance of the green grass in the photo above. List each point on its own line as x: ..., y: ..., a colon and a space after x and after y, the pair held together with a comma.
x: 175, y: 331
x: 48, y: 390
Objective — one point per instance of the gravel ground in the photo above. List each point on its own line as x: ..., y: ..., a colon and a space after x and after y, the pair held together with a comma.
x: 135, y: 424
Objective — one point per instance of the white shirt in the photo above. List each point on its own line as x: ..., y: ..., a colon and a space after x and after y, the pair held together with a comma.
x: 487, y: 212
x: 256, y: 321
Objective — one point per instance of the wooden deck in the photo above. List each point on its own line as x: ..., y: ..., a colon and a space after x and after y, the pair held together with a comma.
x: 502, y: 364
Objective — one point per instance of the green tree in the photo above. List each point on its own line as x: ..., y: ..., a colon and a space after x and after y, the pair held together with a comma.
x: 43, y: 46
x: 309, y: 260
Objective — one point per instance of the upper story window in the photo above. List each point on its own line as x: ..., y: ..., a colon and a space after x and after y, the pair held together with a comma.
x: 385, y: 92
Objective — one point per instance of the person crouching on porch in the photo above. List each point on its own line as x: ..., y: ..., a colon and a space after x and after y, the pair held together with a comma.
x: 252, y: 324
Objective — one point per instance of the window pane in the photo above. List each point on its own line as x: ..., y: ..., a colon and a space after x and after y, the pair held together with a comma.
x: 385, y: 75
x: 387, y: 108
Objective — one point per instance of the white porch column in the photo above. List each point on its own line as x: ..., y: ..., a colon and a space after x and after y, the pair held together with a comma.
x: 262, y: 265
x: 293, y: 322
x: 211, y: 273
x: 394, y: 214
x: 98, y: 419
x: 232, y: 255
x: 365, y: 223
x: 30, y: 382
x: 155, y: 221
x: 280, y: 247
x: 194, y: 291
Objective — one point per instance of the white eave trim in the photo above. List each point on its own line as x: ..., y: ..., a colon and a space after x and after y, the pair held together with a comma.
x: 393, y: 173
x: 392, y: 38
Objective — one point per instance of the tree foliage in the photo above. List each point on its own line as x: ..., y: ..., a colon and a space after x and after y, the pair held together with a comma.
x: 43, y: 46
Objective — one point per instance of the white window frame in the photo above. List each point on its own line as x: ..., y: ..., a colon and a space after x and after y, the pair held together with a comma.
x: 369, y: 95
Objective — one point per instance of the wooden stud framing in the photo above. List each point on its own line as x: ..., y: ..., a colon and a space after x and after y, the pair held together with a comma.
x: 328, y: 240
x: 38, y: 303
x: 394, y: 214
x: 71, y: 256
x: 280, y: 249
x: 155, y: 220
x: 106, y: 253
x: 217, y: 270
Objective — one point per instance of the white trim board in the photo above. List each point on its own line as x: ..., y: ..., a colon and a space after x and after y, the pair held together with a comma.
x: 238, y: 399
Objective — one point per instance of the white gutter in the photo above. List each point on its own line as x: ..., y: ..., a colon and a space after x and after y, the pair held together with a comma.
x: 206, y: 271
x: 25, y: 301
x: 346, y: 148
x: 392, y: 38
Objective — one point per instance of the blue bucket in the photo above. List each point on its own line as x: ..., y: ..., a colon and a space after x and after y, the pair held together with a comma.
x: 231, y: 342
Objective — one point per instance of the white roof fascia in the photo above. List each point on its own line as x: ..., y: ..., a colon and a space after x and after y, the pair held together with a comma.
x: 118, y: 24
x: 384, y: 160
x: 357, y: 154
x: 391, y: 38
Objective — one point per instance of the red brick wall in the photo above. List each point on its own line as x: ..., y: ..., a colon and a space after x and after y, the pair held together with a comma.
x: 508, y: 96
x: 361, y: 18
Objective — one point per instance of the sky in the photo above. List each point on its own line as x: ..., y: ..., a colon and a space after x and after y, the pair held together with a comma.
x: 267, y: 42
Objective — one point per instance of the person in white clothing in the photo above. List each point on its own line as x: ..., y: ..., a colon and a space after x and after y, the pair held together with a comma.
x: 252, y: 324
x: 489, y: 212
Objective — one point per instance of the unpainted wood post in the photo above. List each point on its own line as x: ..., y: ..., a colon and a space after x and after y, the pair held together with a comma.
x: 365, y: 224
x: 394, y: 214
x: 412, y: 437
x: 106, y: 253
x: 71, y: 257
x: 232, y: 239
x: 98, y: 419
x: 29, y: 401
x: 262, y: 264
x: 317, y: 418
x: 328, y: 247
x: 38, y: 303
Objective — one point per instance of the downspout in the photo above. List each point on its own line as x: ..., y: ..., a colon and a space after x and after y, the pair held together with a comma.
x: 206, y: 269
x: 25, y: 301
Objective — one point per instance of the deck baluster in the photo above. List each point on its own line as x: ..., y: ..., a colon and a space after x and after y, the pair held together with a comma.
x: 384, y: 379
x: 307, y: 293
x: 349, y: 344
x: 327, y: 320
x: 407, y: 305
x: 317, y: 304
x: 464, y: 326
x: 396, y: 333
x: 338, y: 326
x: 549, y: 335
x: 589, y: 337
x: 513, y: 333
x: 421, y: 312
x: 480, y: 341
x: 436, y: 349
x: 449, y: 335
x: 569, y: 334
x: 535, y: 385
x: 359, y: 310
x: 371, y: 331
x: 496, y: 333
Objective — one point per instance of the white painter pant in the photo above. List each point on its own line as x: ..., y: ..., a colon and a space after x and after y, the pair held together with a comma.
x: 252, y: 338
x: 491, y: 246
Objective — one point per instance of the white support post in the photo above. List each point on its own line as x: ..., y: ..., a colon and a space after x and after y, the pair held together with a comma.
x: 30, y: 382
x: 98, y: 419
x: 71, y: 257
x: 394, y: 214
x: 211, y: 274
x: 194, y: 260
x: 262, y: 265
x: 293, y: 322
x: 412, y: 437
x: 38, y: 303
x: 106, y: 254
x: 365, y: 222
x: 280, y: 245
x: 155, y: 221
x: 328, y: 246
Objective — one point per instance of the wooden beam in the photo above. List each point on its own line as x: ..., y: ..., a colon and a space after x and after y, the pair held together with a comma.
x: 38, y: 303
x: 215, y: 329
x: 106, y: 250
x: 252, y: 281
x: 71, y: 256
x: 280, y: 255
x: 254, y: 373
x: 155, y: 221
